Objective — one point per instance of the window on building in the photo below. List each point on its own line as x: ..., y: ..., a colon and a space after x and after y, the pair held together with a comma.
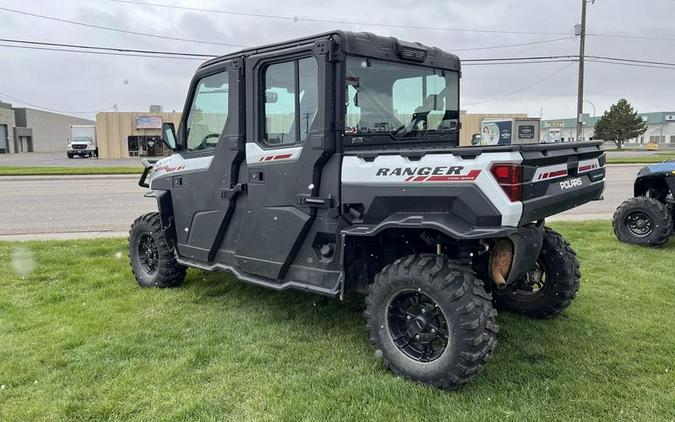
x: 208, y: 113
x: 291, y: 101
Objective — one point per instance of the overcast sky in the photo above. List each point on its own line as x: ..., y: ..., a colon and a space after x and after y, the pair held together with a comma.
x: 83, y: 82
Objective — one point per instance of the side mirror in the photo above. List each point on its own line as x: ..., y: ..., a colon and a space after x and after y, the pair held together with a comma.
x: 169, y: 136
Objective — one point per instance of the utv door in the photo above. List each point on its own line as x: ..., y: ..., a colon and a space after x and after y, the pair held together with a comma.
x: 288, y: 145
x: 204, y: 193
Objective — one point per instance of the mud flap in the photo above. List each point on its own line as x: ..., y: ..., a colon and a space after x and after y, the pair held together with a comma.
x: 527, y: 243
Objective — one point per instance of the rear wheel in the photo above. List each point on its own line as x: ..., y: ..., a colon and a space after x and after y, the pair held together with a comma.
x: 431, y: 320
x: 152, y: 261
x: 548, y: 289
x: 643, y: 221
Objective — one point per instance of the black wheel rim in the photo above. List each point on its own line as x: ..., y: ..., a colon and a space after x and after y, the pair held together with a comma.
x: 639, y: 224
x: 147, y: 253
x: 417, y: 326
x: 532, y: 284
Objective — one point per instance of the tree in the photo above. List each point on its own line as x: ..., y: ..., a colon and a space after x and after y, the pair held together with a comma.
x: 619, y: 124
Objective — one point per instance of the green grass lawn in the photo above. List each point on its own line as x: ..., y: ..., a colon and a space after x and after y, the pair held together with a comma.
x: 45, y: 171
x: 79, y: 340
x: 659, y: 157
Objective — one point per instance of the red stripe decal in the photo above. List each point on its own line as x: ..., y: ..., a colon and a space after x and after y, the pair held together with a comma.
x: 558, y: 173
x: 588, y: 167
x: 471, y: 175
x: 282, y: 156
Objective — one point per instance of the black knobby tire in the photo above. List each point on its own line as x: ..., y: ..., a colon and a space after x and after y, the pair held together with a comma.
x: 152, y: 261
x: 69, y: 155
x: 549, y: 289
x: 459, y: 299
x: 643, y: 221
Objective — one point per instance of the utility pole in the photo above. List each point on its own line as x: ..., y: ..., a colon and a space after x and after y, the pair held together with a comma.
x: 582, y: 46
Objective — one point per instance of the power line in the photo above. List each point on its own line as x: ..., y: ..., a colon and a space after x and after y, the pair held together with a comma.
x: 550, y: 75
x: 631, y: 64
x: 110, y: 28
x: 129, y: 52
x: 332, y: 21
x: 520, y: 62
x: 361, y: 23
x: 117, y: 49
x: 102, y: 53
x: 3, y: 94
x: 107, y: 28
x: 619, y: 59
x: 496, y: 59
x: 513, y: 45
x: 633, y: 36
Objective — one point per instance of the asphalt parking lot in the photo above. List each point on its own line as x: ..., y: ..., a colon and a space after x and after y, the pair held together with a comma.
x: 65, y: 207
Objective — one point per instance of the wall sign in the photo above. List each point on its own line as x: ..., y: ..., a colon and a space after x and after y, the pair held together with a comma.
x: 148, y: 122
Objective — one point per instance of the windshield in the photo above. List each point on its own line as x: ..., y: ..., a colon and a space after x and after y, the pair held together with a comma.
x: 399, y: 100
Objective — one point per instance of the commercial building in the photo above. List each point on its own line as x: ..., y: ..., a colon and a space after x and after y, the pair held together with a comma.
x: 660, y: 129
x: 7, y: 124
x: 132, y: 134
x: 29, y: 130
x: 471, y: 124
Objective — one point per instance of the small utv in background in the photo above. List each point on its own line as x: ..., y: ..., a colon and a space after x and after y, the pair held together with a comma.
x: 331, y: 164
x: 647, y: 218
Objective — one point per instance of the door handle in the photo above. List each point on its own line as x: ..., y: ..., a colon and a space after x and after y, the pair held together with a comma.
x: 315, y: 201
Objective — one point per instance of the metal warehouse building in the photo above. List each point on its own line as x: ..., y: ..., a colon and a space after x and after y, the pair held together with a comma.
x: 29, y: 130
x: 132, y: 134
x: 660, y: 129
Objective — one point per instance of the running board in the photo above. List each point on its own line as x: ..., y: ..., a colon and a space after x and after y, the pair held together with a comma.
x: 260, y: 281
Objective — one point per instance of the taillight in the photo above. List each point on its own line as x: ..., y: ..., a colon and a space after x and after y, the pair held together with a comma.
x: 510, y: 178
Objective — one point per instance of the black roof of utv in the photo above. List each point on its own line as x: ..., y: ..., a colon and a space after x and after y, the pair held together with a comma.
x: 361, y: 44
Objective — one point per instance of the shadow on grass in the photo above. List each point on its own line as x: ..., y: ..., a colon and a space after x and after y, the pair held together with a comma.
x: 535, y: 350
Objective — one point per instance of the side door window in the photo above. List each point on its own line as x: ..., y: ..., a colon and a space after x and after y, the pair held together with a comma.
x: 208, y: 113
x: 290, y: 102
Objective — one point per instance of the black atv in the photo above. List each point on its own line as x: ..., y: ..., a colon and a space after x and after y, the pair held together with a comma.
x: 647, y: 218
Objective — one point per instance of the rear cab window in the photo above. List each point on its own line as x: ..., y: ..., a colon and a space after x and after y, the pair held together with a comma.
x: 393, y: 102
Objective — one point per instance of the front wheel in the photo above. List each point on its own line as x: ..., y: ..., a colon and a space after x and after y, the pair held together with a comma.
x: 431, y: 320
x: 549, y: 288
x: 152, y: 261
x: 643, y: 221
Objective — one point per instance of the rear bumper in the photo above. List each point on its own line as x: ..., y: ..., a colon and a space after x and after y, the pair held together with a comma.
x: 545, y: 206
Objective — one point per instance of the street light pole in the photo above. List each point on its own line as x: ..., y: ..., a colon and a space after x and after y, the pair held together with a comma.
x: 592, y: 105
x: 580, y: 87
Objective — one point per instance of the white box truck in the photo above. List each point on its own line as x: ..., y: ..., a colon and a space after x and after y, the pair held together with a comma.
x: 82, y: 141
